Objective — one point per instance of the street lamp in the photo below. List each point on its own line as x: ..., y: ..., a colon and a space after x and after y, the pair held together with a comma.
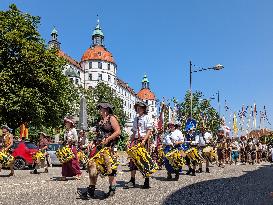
x: 216, y: 67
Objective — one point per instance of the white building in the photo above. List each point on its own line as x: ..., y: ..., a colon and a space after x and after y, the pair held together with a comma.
x: 97, y: 64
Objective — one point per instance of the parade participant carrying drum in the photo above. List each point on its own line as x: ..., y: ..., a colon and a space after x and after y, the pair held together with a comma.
x: 40, y: 157
x: 202, y: 140
x: 70, y: 168
x: 6, y: 159
x: 172, y: 145
x: 142, y: 129
x: 189, y: 143
x: 102, y: 158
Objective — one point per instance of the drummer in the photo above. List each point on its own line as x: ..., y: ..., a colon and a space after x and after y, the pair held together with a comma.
x: 108, y: 132
x: 6, y: 145
x: 202, y: 140
x: 189, y: 142
x: 172, y: 140
x: 43, y: 145
x: 142, y: 130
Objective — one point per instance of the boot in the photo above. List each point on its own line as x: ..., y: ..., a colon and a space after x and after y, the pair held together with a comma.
x: 169, y: 176
x: 35, y: 171
x: 207, y: 170
x: 189, y: 171
x: 176, y: 178
x: 91, y: 190
x: 193, y: 172
x: 130, y: 184
x: 112, y: 190
x: 146, y: 184
x: 200, y: 170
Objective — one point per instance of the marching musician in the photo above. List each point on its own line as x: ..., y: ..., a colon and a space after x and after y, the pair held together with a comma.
x: 189, y: 142
x: 202, y: 139
x: 172, y: 140
x: 6, y: 145
x: 42, y: 145
x: 142, y: 129
x: 221, y: 147
x: 107, y: 134
x: 72, y: 167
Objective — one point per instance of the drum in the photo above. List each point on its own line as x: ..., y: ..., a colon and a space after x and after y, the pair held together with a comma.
x: 193, y: 155
x: 38, y: 156
x: 142, y: 160
x: 82, y: 157
x: 210, y: 154
x: 176, y: 158
x: 105, y: 163
x: 64, y: 154
x: 6, y: 159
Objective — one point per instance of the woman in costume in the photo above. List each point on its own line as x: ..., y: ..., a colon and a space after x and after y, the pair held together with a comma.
x: 142, y: 129
x: 172, y: 140
x: 190, y: 142
x: 108, y: 132
x: 6, y: 145
x: 71, y: 168
x: 43, y: 145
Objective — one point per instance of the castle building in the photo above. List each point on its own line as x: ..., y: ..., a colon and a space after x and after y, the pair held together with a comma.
x: 98, y: 65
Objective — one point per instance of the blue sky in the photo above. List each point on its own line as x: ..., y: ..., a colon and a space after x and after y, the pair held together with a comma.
x: 160, y: 37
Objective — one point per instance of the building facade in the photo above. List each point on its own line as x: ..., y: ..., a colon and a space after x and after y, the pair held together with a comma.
x: 98, y: 65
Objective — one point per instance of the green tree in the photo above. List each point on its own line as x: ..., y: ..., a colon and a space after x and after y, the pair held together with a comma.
x: 33, y: 88
x: 103, y: 93
x: 202, y: 111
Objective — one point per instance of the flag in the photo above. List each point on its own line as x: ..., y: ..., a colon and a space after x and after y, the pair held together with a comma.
x: 235, y: 128
x: 254, y: 116
x: 160, y: 122
x: 23, y: 131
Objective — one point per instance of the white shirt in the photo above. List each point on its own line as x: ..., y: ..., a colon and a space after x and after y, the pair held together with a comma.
x: 172, y: 137
x: 200, y: 140
x: 71, y: 135
x: 141, y: 125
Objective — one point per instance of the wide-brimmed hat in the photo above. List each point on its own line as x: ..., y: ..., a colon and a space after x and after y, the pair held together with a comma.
x: 106, y: 106
x: 66, y: 119
x: 42, y: 133
x: 6, y: 127
x: 140, y: 104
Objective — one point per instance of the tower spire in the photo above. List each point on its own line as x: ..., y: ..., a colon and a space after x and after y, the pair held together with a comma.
x: 98, y: 36
x: 145, y: 82
x: 54, y: 43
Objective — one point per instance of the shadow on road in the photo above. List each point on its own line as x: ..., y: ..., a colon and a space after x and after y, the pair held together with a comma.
x: 253, y: 188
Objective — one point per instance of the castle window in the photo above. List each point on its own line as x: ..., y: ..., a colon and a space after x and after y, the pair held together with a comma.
x: 109, y: 78
x: 77, y: 81
x: 108, y: 66
x: 90, y: 65
x: 100, y: 65
x: 99, y: 53
x: 100, y: 76
x: 90, y: 76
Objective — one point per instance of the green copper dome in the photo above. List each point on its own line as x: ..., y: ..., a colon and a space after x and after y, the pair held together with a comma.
x: 54, y: 31
x: 145, y: 79
x: 98, y: 31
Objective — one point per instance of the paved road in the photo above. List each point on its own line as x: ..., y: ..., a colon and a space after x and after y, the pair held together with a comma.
x: 234, y: 184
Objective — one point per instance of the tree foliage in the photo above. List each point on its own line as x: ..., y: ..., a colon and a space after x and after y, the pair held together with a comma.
x: 202, y: 112
x: 103, y: 93
x: 33, y: 88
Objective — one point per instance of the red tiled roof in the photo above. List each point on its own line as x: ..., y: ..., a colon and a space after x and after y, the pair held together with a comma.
x: 126, y: 86
x: 146, y: 94
x: 69, y: 59
x: 98, y: 53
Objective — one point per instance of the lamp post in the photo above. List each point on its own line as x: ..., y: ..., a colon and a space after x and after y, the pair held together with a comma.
x: 216, y: 67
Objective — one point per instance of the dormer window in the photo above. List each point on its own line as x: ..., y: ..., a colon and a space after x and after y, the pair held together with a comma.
x: 100, y: 65
x: 99, y: 53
